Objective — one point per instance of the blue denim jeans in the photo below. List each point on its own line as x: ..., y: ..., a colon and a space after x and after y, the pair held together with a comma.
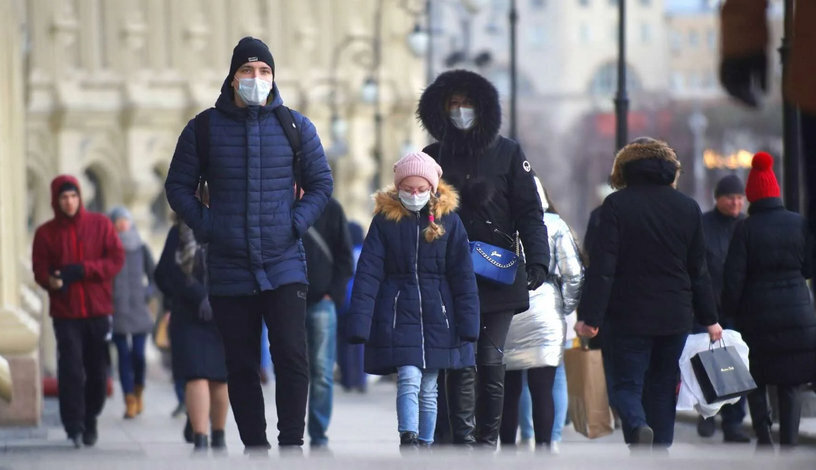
x: 266, y: 356
x: 131, y: 360
x: 644, y: 382
x: 560, y: 401
x: 321, y: 337
x: 416, y: 401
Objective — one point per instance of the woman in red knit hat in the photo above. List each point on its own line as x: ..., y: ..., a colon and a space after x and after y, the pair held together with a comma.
x: 764, y: 290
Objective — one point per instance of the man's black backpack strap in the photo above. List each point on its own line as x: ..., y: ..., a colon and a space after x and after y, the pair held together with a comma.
x: 202, y: 134
x: 287, y: 122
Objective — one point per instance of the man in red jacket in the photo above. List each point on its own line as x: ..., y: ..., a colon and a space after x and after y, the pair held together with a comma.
x: 75, y: 258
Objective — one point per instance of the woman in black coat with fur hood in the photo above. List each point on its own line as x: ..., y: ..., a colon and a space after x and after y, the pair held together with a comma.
x: 499, y: 205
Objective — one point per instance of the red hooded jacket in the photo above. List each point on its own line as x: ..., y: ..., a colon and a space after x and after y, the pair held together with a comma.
x: 88, y: 239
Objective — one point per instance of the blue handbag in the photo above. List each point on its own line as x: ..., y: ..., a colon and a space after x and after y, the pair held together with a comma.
x: 493, y: 263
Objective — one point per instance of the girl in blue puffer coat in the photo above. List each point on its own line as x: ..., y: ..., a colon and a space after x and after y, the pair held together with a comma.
x: 415, y: 302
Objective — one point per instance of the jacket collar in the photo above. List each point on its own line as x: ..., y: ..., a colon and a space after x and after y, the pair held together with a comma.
x: 766, y: 204
x: 387, y: 203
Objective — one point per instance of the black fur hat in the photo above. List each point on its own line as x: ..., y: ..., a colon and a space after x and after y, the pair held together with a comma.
x: 433, y: 114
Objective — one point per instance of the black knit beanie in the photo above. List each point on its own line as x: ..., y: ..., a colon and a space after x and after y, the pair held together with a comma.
x: 67, y: 186
x: 730, y: 184
x: 250, y: 49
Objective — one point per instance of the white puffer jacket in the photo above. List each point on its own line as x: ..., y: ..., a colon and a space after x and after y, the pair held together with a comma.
x: 536, y: 337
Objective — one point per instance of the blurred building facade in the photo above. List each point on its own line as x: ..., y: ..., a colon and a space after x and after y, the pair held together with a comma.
x: 102, y: 88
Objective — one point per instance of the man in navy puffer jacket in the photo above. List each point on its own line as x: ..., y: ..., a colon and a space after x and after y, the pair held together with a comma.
x: 254, y: 225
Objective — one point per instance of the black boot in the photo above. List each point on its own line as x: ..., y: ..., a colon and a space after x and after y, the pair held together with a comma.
x: 462, y: 403
x: 489, y: 404
x: 409, y: 442
x: 89, y: 435
x: 217, y: 439
x: 200, y: 442
x: 188, y: 431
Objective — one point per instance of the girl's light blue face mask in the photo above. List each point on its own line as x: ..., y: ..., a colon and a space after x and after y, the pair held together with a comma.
x: 462, y: 117
x: 414, y: 202
x: 254, y: 91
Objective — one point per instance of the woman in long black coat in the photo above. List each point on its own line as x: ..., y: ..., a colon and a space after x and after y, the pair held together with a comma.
x: 764, y: 289
x: 499, y: 206
x: 198, y: 353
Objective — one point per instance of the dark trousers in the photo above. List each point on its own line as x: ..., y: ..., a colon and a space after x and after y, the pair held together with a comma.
x: 82, y: 370
x: 239, y: 321
x: 540, y: 381
x: 790, y: 410
x: 645, y: 381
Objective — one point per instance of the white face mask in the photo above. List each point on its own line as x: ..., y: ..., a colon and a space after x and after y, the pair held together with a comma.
x: 414, y: 202
x: 254, y: 91
x: 462, y: 117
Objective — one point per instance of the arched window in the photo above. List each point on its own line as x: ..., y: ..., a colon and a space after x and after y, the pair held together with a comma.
x: 605, y: 80
x: 93, y: 198
x: 159, y: 208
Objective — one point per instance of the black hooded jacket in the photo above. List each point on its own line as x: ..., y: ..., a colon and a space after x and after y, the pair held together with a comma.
x: 493, y: 177
x: 648, y: 272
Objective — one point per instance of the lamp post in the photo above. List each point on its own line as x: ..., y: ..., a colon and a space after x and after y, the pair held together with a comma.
x: 621, y: 99
x: 513, y: 16
x: 790, y: 123
x: 698, y: 123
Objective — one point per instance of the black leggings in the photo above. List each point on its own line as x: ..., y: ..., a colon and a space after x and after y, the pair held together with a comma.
x: 540, y: 380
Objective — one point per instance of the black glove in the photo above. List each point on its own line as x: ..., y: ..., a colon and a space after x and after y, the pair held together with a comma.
x: 71, y: 273
x: 536, y: 275
x: 205, y: 312
x: 744, y: 77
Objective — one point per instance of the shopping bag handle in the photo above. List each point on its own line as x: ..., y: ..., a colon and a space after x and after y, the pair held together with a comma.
x: 712, y: 343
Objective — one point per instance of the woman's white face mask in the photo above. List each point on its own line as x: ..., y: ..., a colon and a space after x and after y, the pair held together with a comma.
x: 414, y: 202
x: 254, y: 91
x: 463, y: 117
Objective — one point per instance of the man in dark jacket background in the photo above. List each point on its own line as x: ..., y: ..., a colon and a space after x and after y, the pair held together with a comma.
x: 718, y: 226
x: 75, y: 257
x: 647, y: 280
x: 254, y: 225
x: 499, y: 205
x: 330, y: 264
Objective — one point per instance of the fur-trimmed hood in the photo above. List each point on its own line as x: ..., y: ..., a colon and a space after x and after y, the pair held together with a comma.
x: 433, y: 115
x: 644, y: 159
x: 387, y: 203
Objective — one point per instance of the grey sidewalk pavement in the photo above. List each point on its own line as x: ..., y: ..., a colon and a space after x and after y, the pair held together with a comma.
x: 362, y: 435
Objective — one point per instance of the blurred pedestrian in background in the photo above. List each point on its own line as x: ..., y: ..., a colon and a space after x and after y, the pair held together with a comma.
x: 535, y: 341
x: 765, y: 291
x: 198, y: 352
x: 132, y: 289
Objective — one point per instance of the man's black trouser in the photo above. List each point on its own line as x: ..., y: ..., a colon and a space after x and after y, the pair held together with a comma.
x: 239, y: 321
x: 82, y: 369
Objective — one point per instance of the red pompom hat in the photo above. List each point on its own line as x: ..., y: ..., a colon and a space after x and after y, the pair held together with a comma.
x: 761, y: 180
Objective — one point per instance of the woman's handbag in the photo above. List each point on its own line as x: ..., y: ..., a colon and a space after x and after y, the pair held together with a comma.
x: 721, y: 373
x: 493, y: 263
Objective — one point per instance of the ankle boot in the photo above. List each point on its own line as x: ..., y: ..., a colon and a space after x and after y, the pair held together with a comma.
x: 489, y: 403
x: 408, y: 442
x: 130, y: 406
x: 217, y: 439
x: 199, y: 442
x: 462, y: 403
x: 138, y: 390
x: 188, y: 431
